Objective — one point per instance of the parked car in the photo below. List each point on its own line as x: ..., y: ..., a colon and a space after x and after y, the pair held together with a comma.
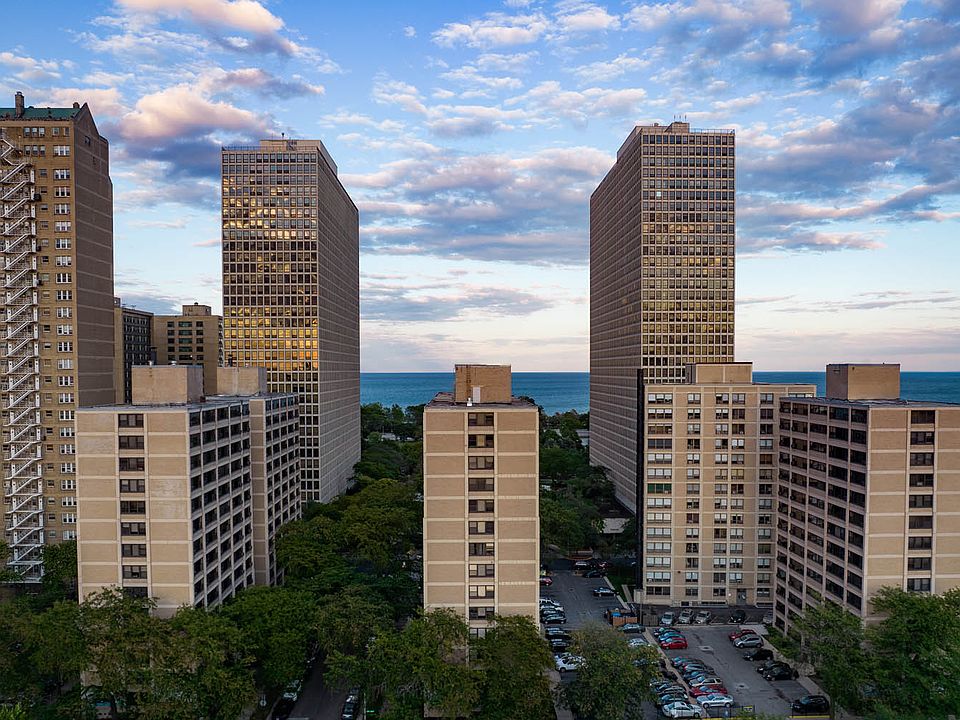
x: 546, y: 581
x: 351, y: 706
x: 637, y: 642
x: 595, y: 573
x: 757, y: 654
x: 667, y: 618
x: 603, y: 591
x: 740, y: 633
x: 715, y: 701
x: 702, y: 680
x: 685, y: 617
x: 631, y: 628
x: 554, y: 620
x: 293, y: 690
x: 567, y: 662
x: 581, y: 566
x: 558, y: 645
x: 810, y: 705
x: 693, y: 671
x: 703, y: 617
x: 671, y: 697
x: 556, y: 632
x: 674, y: 644
x: 738, y: 616
x: 770, y: 664
x: 714, y: 689
x: 780, y: 672
x: 748, y: 641
x: 682, y: 709
x: 767, y: 618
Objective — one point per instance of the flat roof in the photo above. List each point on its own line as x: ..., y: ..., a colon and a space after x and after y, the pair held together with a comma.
x: 879, y: 403
x: 209, y: 402
x: 444, y: 400
x: 44, y: 113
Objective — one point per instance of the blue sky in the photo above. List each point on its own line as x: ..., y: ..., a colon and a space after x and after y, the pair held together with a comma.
x: 471, y: 135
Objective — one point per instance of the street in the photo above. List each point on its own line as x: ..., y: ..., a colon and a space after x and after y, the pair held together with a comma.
x: 316, y: 701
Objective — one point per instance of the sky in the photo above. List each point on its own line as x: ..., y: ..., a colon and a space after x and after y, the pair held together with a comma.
x: 471, y: 135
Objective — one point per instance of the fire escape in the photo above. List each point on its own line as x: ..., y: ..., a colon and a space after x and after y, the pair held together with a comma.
x: 20, y: 364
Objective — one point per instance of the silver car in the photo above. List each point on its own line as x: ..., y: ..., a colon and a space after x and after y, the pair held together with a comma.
x: 667, y: 618
x: 703, y: 617
x: 686, y: 616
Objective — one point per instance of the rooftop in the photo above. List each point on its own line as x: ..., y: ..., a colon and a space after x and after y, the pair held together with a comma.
x: 34, y: 113
x: 445, y: 400
x: 880, y: 403
x: 208, y: 403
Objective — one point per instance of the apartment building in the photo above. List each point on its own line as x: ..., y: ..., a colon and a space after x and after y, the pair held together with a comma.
x: 194, y: 337
x: 868, y: 493
x: 133, y: 345
x: 291, y: 293
x: 181, y: 493
x: 56, y: 242
x: 481, y: 527
x: 661, y: 279
x: 708, y: 470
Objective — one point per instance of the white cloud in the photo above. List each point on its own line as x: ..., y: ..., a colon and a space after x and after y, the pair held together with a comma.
x: 29, y: 69
x: 410, y: 31
x: 494, y: 30
x: 575, y: 16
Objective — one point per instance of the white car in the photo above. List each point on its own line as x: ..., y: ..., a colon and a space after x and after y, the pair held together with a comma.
x: 682, y: 710
x: 567, y: 662
x: 637, y: 642
x: 715, y: 700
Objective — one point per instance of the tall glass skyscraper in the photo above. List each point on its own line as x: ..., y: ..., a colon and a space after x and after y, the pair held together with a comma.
x: 661, y: 279
x: 291, y: 294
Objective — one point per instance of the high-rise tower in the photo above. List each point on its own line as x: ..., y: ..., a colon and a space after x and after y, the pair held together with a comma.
x: 291, y: 286
x: 661, y: 279
x: 56, y: 317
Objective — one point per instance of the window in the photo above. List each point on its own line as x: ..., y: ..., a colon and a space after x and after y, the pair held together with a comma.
x: 480, y: 506
x: 131, y: 464
x: 480, y: 419
x: 133, y: 507
x: 69, y: 518
x: 920, y: 522
x: 63, y: 226
x: 61, y: 209
x: 485, y: 570
x: 134, y: 572
x: 482, y: 612
x: 130, y: 442
x: 481, y: 549
x: 130, y: 420
x: 693, y: 398
x: 133, y: 528
x: 480, y: 463
x: 61, y: 150
x: 68, y: 450
x: 923, y: 417
x: 921, y: 458
x: 481, y: 528
x: 64, y: 261
x: 920, y: 543
x: 61, y: 173
x: 67, y: 415
x: 135, y: 485
x: 67, y: 468
x: 480, y: 441
x: 65, y: 364
x: 921, y: 501
x: 65, y: 398
x: 62, y: 244
x: 923, y: 437
x: 918, y: 584
x: 66, y: 346
x: 64, y: 329
x: 482, y: 591
x: 921, y: 480
x: 61, y: 191
x: 133, y: 550
x: 64, y: 278
x: 918, y: 563
x: 481, y: 484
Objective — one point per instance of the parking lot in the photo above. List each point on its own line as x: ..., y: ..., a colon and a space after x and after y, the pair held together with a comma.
x: 710, y: 644
x: 706, y: 642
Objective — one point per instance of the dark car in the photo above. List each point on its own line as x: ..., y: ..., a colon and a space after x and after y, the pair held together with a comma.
x: 738, y: 616
x: 351, y: 706
x: 282, y: 709
x: 810, y: 705
x: 595, y: 573
x: 554, y: 619
x: 780, y: 672
x: 556, y: 632
x: 757, y: 654
x: 769, y: 664
x: 558, y: 645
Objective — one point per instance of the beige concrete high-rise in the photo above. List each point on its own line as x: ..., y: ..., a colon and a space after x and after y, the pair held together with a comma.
x: 710, y: 461
x: 481, y: 519
x: 291, y: 294
x: 181, y: 494
x: 195, y: 337
x: 133, y: 345
x: 661, y: 279
x: 868, y: 493
x: 56, y: 241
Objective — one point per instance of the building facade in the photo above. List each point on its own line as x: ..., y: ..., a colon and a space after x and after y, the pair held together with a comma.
x: 195, y: 337
x: 180, y: 494
x: 56, y: 227
x: 709, y: 466
x: 868, y: 493
x: 133, y: 345
x: 481, y: 526
x: 661, y: 279
x: 291, y: 294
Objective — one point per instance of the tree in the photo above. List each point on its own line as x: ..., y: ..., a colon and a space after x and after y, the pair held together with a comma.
x: 56, y: 646
x: 422, y: 665
x: 833, y: 641
x: 513, y: 659
x: 278, y: 626
x: 562, y: 525
x: 59, y: 573
x: 201, y: 671
x: 7, y: 574
x: 917, y: 651
x: 121, y: 638
x: 612, y: 676
x: 347, y: 620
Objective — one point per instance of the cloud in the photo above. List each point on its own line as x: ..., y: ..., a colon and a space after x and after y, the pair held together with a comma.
x: 576, y: 16
x: 103, y: 102
x: 445, y: 301
x: 399, y: 93
x: 853, y: 17
x: 493, y: 30
x: 550, y: 100
x: 878, y: 300
x: 247, y: 16
x: 261, y: 81
x: 27, y: 69
x: 807, y: 241
x: 608, y: 70
x: 410, y: 31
